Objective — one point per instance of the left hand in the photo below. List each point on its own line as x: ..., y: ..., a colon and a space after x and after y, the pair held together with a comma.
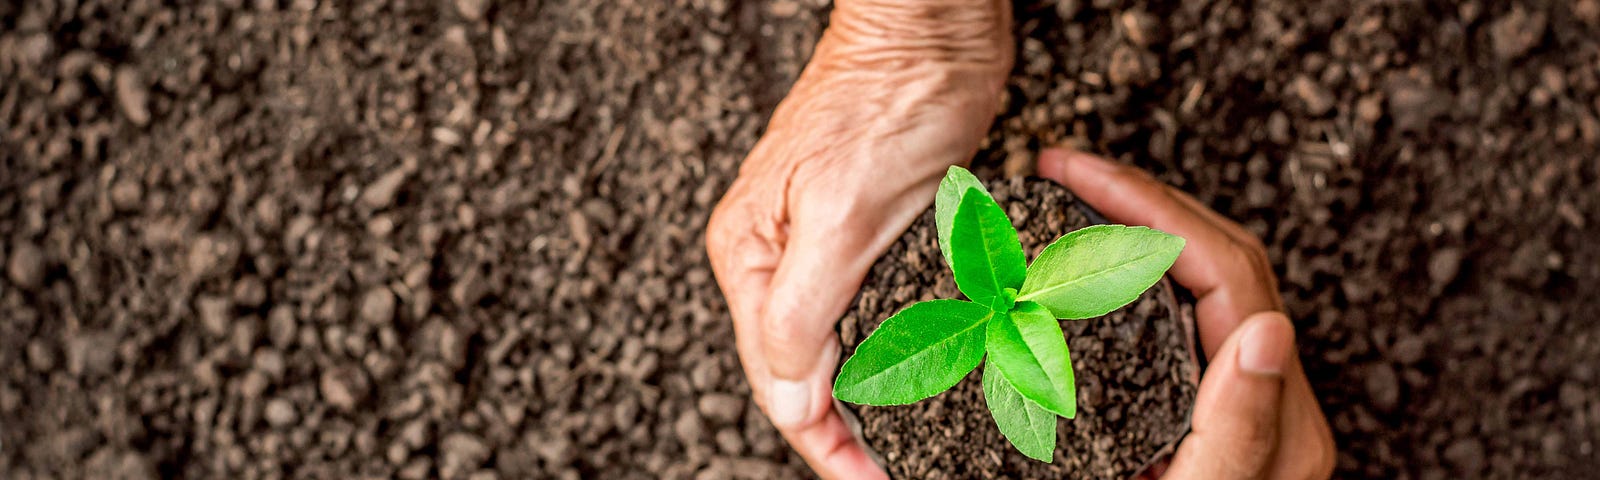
x: 898, y: 91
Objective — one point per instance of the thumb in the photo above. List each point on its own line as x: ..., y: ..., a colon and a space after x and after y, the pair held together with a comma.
x: 811, y: 288
x: 1235, y: 421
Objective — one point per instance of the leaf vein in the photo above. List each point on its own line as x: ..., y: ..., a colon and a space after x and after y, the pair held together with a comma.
x: 919, y: 352
x: 1096, y: 274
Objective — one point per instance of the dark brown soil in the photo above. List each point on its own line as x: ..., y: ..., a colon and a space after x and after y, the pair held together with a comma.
x: 345, y: 239
x: 1135, y: 370
x: 351, y: 238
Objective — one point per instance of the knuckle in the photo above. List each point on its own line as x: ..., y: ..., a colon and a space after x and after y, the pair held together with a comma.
x: 778, y: 328
x: 1262, y: 435
x: 1251, y: 254
x: 718, y: 229
x: 736, y: 218
x: 1253, y: 460
x: 713, y: 237
x: 1252, y: 246
x: 1260, y: 264
x: 719, y: 252
x: 785, y: 325
x: 1240, y: 257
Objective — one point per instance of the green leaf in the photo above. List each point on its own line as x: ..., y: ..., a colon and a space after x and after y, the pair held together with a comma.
x: 915, y: 354
x: 1092, y: 271
x: 1028, y: 347
x: 987, y: 257
x: 955, y: 184
x: 1028, y: 426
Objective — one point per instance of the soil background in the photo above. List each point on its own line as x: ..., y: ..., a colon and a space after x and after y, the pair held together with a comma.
x: 462, y: 238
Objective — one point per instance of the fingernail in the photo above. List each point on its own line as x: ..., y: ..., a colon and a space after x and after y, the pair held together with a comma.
x: 1264, y: 348
x: 788, y: 402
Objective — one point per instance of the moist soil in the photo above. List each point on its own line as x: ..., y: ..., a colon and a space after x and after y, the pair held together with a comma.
x: 462, y: 238
x: 1135, y: 368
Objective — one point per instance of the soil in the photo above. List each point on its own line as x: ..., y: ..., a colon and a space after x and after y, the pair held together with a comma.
x: 461, y: 238
x: 1136, y: 368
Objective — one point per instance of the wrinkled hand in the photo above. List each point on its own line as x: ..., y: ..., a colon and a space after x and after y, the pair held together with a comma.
x: 896, y: 92
x: 1255, y: 415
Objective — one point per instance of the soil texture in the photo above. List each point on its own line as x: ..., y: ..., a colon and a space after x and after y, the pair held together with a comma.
x: 1423, y: 174
x: 1135, y: 369
x: 374, y: 239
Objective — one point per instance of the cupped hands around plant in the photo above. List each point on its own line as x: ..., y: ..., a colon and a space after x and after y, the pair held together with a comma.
x: 1010, y: 316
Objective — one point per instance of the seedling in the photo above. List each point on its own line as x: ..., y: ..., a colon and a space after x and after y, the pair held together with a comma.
x: 1011, y: 316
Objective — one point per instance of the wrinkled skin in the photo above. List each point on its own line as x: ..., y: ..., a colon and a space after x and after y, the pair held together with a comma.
x: 896, y: 92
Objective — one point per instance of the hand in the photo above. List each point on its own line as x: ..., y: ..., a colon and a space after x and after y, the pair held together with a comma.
x: 897, y: 91
x: 1255, y: 415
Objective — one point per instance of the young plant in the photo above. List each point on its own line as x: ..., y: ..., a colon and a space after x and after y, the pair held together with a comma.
x: 1011, y: 316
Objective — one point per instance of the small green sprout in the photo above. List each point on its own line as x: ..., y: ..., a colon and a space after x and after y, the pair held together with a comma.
x: 1011, y: 316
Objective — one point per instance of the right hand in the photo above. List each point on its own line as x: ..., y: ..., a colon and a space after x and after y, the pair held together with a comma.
x: 1255, y: 415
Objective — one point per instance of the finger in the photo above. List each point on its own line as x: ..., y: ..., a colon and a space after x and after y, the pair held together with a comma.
x: 744, y: 246
x: 827, y: 443
x: 1130, y: 196
x: 833, y: 450
x: 1228, y: 226
x: 1241, y: 237
x: 810, y: 290
x: 1237, y: 410
x: 1305, y: 443
x: 1230, y: 278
